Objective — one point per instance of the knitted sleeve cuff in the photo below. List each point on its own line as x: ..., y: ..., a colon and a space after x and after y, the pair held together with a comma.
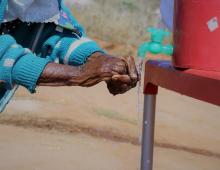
x: 28, y: 70
x: 80, y: 50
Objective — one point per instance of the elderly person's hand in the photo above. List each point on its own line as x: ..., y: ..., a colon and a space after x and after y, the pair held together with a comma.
x: 122, y: 82
x: 120, y: 74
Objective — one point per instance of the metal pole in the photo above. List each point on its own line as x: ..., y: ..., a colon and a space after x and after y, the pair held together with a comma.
x: 148, y: 132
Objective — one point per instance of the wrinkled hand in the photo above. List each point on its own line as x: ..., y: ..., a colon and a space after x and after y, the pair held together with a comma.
x: 101, y: 67
x: 121, y: 83
x: 120, y: 74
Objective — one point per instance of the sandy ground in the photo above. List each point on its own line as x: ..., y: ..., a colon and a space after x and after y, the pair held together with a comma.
x: 88, y: 129
x: 25, y: 149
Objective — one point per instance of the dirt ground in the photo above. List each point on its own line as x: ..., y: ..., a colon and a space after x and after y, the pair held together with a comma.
x: 27, y: 149
x: 88, y: 129
x: 75, y: 128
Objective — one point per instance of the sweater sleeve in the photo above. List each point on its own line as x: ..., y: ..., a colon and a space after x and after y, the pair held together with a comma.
x: 28, y: 70
x: 71, y: 49
x: 18, y: 65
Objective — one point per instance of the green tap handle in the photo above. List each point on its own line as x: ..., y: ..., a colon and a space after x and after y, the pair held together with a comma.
x: 158, y: 35
x: 155, y: 46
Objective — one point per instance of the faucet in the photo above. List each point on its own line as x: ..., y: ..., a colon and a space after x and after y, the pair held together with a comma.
x: 155, y: 46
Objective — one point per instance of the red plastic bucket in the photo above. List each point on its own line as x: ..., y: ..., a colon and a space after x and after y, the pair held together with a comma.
x: 197, y: 34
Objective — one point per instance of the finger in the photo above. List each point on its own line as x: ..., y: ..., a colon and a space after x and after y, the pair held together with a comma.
x: 122, y: 89
x: 132, y: 68
x: 115, y: 73
x: 107, y: 79
x: 120, y: 69
x: 93, y: 82
x: 122, y: 78
x: 116, y: 89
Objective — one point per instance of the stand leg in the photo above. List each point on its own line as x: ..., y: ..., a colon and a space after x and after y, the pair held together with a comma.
x: 148, y: 132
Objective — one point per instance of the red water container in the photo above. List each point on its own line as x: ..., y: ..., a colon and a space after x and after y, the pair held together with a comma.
x: 197, y: 34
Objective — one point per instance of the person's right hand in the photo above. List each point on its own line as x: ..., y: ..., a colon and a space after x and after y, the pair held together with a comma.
x: 120, y: 74
x: 101, y: 67
x: 122, y: 83
x: 98, y: 68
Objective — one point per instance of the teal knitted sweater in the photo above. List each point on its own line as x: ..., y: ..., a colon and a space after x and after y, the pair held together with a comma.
x: 17, y: 66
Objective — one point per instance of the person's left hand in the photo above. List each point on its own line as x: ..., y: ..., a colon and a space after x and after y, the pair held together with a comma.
x: 123, y: 78
x: 123, y: 82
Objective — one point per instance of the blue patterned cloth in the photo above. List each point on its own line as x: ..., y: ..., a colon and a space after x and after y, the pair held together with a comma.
x: 33, y: 10
x: 50, y: 11
x: 167, y: 10
x: 70, y: 49
x: 68, y: 21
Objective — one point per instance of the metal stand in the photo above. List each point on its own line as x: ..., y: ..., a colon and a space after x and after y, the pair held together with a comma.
x: 148, y: 132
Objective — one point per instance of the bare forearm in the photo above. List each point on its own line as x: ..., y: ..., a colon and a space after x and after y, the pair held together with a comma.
x: 120, y: 74
x: 59, y: 75
x: 65, y: 75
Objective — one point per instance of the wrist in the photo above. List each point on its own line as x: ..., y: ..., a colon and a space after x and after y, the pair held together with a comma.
x: 98, y: 54
x: 60, y: 75
x: 27, y: 71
